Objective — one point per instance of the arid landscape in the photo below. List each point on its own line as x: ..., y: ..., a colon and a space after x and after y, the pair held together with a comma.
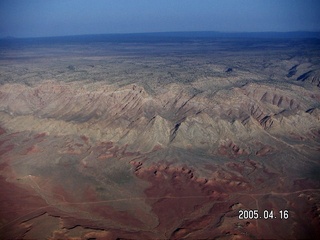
x: 159, y: 137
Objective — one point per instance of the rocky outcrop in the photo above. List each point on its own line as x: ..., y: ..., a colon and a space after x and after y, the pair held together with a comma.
x: 129, y: 115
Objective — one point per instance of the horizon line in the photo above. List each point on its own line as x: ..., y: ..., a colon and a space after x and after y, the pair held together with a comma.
x: 165, y: 32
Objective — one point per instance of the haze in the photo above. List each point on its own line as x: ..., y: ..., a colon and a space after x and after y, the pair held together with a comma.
x: 37, y: 18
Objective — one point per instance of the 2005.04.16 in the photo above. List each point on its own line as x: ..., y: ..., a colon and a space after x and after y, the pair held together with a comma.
x: 254, y: 214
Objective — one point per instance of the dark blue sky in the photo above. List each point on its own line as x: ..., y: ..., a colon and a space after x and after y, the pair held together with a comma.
x: 31, y: 18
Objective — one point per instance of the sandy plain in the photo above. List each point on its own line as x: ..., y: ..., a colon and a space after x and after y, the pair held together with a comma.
x: 159, y: 139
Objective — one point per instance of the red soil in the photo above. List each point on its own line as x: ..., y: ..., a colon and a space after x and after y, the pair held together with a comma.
x: 178, y: 197
x: 6, y: 149
x: 32, y: 149
x: 17, y: 205
x: 2, y: 131
x: 264, y: 151
x: 231, y: 150
x: 183, y: 204
x: 39, y: 135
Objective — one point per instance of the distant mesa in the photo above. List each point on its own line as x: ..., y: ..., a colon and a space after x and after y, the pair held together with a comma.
x: 304, y: 76
x: 311, y: 76
x: 229, y: 70
x: 292, y: 71
x: 71, y: 67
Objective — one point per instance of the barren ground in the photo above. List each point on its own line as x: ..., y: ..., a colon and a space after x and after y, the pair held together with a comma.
x: 159, y: 139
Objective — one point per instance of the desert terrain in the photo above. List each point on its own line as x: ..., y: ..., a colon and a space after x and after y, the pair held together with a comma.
x: 159, y: 138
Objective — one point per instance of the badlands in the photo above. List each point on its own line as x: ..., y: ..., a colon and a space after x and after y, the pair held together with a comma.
x: 159, y: 138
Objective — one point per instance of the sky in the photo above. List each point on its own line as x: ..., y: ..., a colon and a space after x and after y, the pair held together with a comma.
x: 42, y: 18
